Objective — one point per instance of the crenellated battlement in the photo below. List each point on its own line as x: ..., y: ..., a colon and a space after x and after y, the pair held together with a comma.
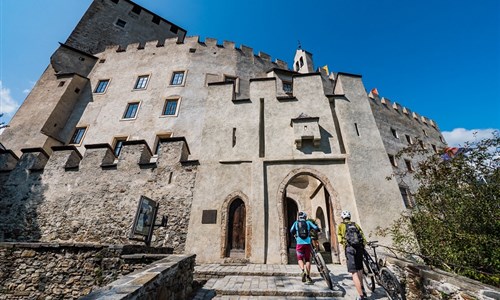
x: 134, y: 155
x: 193, y: 42
x: 401, y: 109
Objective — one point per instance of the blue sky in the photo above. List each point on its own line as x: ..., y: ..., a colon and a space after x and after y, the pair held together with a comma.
x: 440, y: 59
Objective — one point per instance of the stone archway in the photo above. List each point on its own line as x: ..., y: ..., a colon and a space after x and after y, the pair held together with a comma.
x: 281, y: 195
x: 225, y: 223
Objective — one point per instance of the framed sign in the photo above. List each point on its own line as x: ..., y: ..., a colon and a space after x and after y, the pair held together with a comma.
x: 145, y: 217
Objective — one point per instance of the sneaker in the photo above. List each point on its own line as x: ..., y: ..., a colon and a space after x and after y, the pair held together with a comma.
x: 303, y: 276
x: 309, y: 280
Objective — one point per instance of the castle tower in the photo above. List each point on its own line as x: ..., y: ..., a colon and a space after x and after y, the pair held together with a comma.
x: 303, y: 62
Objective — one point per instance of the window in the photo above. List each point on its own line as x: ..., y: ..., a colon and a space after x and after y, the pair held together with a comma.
x: 114, y: 1
x: 120, y: 23
x: 177, y: 78
x: 422, y: 145
x: 287, y: 87
x: 434, y: 148
x: 392, y: 159
x: 101, y: 86
x: 118, y: 145
x: 170, y: 108
x: 441, y: 139
x: 394, y: 133
x: 409, y: 166
x: 61, y: 83
x: 408, y: 139
x: 159, y: 137
x: 425, y: 132
x: 142, y: 82
x: 78, y: 136
x: 174, y: 29
x: 131, y: 111
x: 407, y: 199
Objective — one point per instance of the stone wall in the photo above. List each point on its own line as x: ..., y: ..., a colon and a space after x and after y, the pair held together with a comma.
x: 67, y: 271
x: 424, y: 282
x: 67, y: 198
x: 170, y: 278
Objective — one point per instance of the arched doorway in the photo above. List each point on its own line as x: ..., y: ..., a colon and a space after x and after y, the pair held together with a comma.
x: 236, y: 241
x: 313, y: 193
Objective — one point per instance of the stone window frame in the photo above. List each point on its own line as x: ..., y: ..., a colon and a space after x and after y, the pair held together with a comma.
x: 225, y: 223
x: 116, y: 140
x: 406, y: 196
x: 138, y: 85
x: 98, y: 88
x: 409, y: 139
x: 170, y: 99
x: 127, y: 108
x: 173, y: 77
x: 159, y: 136
x: 394, y: 133
x: 120, y: 23
x: 409, y: 165
x: 78, y: 129
x: 288, y: 83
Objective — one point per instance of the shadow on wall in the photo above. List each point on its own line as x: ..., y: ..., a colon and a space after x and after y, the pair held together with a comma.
x: 21, y: 193
x: 308, y: 146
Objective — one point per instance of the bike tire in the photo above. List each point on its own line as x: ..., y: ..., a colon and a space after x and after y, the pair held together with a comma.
x: 368, y: 275
x: 391, y: 285
x: 323, y: 270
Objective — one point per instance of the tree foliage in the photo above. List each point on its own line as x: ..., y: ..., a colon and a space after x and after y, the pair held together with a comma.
x: 455, y: 224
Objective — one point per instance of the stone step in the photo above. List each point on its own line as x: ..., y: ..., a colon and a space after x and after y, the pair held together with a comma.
x: 270, y: 298
x: 217, y: 270
x: 275, y: 286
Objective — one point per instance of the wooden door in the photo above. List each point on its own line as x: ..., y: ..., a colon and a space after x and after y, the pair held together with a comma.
x: 237, y: 226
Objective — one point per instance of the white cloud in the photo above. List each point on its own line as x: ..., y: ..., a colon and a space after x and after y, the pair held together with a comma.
x: 7, y: 104
x: 458, y: 136
x: 28, y: 90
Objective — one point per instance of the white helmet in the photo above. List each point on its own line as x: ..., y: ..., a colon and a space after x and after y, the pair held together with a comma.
x: 345, y: 214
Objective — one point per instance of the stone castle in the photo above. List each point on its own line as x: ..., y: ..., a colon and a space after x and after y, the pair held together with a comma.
x: 230, y: 143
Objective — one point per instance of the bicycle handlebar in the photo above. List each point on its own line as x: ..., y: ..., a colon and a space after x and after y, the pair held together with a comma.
x: 372, y: 244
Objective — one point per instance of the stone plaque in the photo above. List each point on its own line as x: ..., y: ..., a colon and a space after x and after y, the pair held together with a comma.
x: 209, y: 217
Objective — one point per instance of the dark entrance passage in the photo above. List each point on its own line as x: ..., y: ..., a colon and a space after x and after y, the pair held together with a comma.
x: 237, y: 229
x: 291, y: 211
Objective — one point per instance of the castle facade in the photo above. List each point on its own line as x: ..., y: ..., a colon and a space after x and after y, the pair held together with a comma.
x: 230, y: 143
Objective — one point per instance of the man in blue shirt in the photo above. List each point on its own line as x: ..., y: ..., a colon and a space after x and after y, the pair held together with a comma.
x: 300, y: 230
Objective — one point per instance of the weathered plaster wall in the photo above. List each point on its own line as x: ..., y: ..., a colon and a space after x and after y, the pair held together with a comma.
x: 94, y: 200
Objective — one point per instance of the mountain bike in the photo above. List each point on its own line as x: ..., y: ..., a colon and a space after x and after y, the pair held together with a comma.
x: 321, y: 265
x: 376, y: 271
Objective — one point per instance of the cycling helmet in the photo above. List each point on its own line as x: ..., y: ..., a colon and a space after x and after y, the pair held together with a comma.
x: 302, y: 215
x: 345, y: 214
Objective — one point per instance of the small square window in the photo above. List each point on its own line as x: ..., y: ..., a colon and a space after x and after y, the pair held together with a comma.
x: 114, y: 1
x: 103, y: 60
x: 177, y: 78
x: 78, y: 136
x: 170, y: 108
x: 409, y: 166
x: 131, y: 111
x: 101, y: 86
x: 287, y: 87
x: 120, y: 23
x: 174, y: 29
x: 394, y: 133
x: 61, y: 83
x: 392, y: 159
x: 118, y: 145
x: 77, y: 90
x: 408, y: 139
x: 142, y: 82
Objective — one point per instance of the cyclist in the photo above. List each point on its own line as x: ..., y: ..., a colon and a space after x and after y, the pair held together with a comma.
x: 351, y: 237
x: 301, y: 230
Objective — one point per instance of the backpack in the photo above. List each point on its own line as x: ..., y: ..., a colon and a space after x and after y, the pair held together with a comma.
x: 303, y: 229
x: 353, y: 236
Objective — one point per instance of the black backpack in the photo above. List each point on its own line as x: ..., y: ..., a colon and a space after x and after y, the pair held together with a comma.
x: 303, y: 229
x: 353, y: 236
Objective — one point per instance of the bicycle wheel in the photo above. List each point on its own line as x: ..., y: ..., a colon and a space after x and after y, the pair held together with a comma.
x: 323, y: 269
x: 391, y: 285
x: 368, y: 275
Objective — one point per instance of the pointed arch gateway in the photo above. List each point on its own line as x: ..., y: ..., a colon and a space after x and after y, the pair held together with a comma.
x: 236, y: 223
x: 333, y: 213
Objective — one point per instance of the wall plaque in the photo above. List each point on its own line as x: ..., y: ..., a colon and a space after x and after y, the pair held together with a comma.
x: 209, y: 216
